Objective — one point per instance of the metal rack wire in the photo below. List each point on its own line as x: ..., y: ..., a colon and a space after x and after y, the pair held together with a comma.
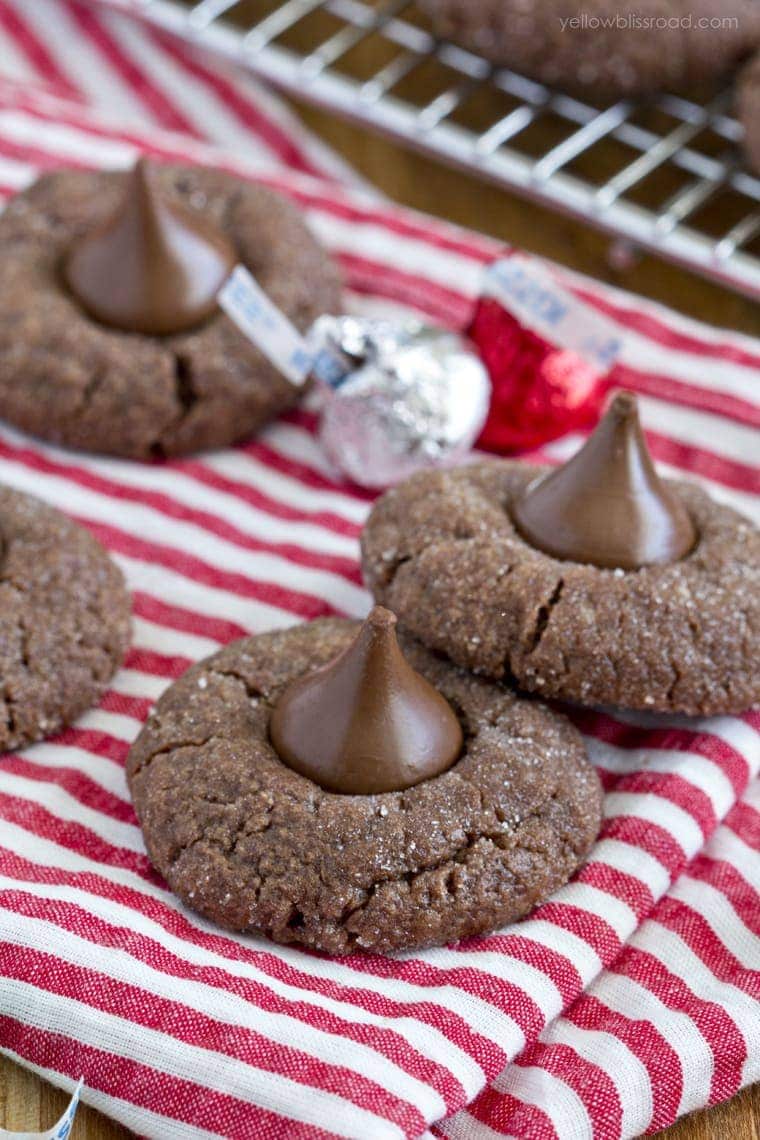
x: 664, y: 174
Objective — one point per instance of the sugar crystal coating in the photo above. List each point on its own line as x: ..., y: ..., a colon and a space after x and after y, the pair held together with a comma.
x: 255, y: 846
x: 443, y: 552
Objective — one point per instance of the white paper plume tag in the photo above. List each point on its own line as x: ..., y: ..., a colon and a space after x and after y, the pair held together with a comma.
x: 59, y: 1131
x: 531, y: 295
x: 256, y: 315
x: 246, y: 303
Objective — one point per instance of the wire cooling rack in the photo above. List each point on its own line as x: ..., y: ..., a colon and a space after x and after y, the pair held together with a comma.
x: 665, y: 174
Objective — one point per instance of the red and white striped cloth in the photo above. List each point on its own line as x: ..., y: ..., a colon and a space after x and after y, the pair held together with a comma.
x: 631, y: 997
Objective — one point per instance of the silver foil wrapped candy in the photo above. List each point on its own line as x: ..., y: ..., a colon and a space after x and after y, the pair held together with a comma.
x: 396, y: 397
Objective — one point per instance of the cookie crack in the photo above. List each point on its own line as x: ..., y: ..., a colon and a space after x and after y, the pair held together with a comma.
x: 543, y: 617
x: 390, y: 568
x: 677, y: 678
x: 10, y: 713
x: 169, y: 749
x: 186, y: 395
x: 229, y: 850
x: 17, y: 587
x: 252, y: 691
x: 475, y: 787
x: 24, y: 644
x: 184, y: 385
x: 245, y: 831
x: 458, y: 858
x: 95, y: 381
x: 499, y: 837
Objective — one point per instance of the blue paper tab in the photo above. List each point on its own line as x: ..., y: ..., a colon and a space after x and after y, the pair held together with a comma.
x: 246, y: 303
x: 528, y: 292
x: 59, y: 1131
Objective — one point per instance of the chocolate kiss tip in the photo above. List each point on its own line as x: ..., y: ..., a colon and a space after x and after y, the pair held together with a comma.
x: 367, y: 722
x: 623, y: 404
x: 607, y: 505
x: 154, y: 267
x: 381, y: 618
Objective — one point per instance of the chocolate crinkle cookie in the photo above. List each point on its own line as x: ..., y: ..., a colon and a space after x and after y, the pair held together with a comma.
x: 64, y: 619
x: 748, y: 107
x: 254, y: 845
x: 612, y: 49
x: 605, y: 47
x: 442, y: 550
x: 74, y: 379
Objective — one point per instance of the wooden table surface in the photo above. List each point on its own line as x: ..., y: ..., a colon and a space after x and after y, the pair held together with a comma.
x: 28, y: 1104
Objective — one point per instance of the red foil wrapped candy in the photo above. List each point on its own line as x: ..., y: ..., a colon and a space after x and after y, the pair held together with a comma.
x: 547, y: 353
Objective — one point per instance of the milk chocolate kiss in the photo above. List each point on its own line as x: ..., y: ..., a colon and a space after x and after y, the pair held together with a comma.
x: 153, y: 267
x: 366, y: 723
x: 607, y: 505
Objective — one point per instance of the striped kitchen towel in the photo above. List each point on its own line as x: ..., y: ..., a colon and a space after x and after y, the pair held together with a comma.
x: 630, y: 997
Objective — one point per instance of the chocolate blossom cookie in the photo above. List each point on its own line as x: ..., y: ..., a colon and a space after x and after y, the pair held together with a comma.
x: 605, y: 47
x: 748, y: 109
x: 64, y: 619
x: 110, y: 337
x: 327, y: 786
x: 596, y: 582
